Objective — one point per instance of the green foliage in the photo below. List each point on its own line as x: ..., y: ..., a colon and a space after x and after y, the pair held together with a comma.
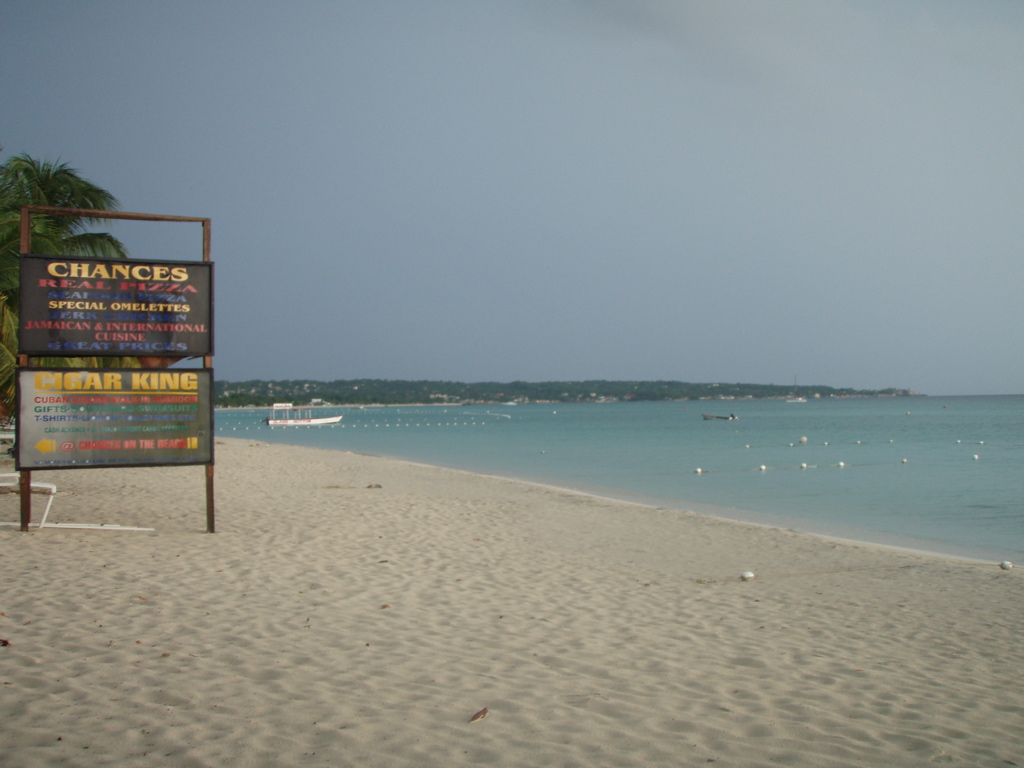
x: 27, y: 181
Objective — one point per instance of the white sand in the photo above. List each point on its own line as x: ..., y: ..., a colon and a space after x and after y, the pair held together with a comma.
x: 331, y: 624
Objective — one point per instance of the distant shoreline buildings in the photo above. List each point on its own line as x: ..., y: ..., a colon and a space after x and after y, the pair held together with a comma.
x: 261, y: 393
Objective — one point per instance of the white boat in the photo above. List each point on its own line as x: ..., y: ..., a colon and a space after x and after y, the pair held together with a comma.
x: 287, y: 415
x: 797, y: 400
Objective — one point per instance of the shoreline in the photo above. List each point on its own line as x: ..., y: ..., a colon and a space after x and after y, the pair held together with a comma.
x: 713, y: 511
x: 354, y: 610
x: 735, y: 514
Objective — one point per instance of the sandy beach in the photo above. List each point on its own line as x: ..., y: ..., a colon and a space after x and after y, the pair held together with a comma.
x: 359, y: 611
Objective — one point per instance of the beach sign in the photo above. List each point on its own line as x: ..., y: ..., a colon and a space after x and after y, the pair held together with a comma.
x: 157, y: 312
x: 104, y: 307
x: 103, y: 417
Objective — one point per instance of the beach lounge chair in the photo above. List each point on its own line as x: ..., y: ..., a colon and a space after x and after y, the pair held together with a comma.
x: 13, y: 479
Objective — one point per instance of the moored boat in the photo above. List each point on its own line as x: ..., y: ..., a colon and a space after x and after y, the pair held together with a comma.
x: 287, y: 415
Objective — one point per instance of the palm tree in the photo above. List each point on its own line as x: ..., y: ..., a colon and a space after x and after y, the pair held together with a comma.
x: 27, y: 181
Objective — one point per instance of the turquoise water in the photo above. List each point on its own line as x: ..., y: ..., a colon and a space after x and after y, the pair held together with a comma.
x: 856, y: 483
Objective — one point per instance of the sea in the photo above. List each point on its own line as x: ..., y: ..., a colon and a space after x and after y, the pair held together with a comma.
x: 939, y: 474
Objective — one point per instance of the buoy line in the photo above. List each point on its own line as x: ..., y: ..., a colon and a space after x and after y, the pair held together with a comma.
x: 766, y: 468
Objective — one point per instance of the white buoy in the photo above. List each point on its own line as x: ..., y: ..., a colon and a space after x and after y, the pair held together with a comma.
x: 803, y: 439
x: 975, y: 457
x: 698, y: 470
x: 803, y: 466
x: 763, y: 467
x: 747, y: 575
x: 904, y: 461
x: 1006, y: 565
x: 842, y: 464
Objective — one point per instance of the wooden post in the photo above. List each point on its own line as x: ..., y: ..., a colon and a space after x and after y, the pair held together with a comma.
x: 206, y: 239
x: 26, y: 499
x: 208, y: 363
x: 26, y: 475
x: 26, y: 229
x: 210, y: 526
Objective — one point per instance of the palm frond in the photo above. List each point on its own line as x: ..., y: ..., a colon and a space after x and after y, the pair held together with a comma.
x: 96, y: 245
x: 25, y: 180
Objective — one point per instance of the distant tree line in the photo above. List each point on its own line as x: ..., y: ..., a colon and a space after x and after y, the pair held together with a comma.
x: 398, y: 392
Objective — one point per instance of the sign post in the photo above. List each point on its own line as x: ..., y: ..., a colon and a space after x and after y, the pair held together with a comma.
x: 157, y: 312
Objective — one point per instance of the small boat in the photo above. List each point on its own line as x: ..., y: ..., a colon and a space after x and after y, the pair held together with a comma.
x: 709, y: 417
x: 287, y: 415
x: 796, y: 400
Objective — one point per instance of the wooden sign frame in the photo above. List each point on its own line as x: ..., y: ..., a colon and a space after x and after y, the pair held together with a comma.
x: 148, y: 361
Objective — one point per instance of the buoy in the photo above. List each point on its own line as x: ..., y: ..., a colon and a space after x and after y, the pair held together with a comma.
x: 803, y: 466
x: 747, y: 575
x: 698, y: 470
x: 975, y: 457
x: 763, y: 467
x: 1006, y: 565
x: 904, y: 461
x: 842, y: 464
x: 803, y: 439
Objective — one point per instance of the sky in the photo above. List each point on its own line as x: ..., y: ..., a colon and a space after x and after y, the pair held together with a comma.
x: 759, y: 191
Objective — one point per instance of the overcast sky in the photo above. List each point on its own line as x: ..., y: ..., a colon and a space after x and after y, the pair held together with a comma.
x: 734, y: 191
